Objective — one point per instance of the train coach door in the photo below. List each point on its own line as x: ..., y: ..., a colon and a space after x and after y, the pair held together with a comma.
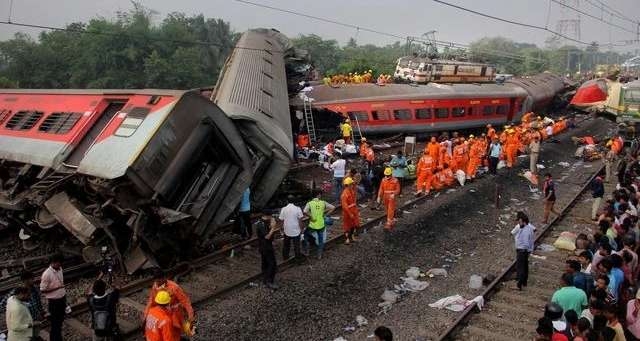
x: 512, y: 109
x: 92, y: 134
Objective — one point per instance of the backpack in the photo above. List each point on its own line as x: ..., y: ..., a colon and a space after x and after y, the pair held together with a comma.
x: 101, y: 318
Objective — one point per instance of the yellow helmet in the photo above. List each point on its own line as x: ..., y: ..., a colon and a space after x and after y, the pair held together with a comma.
x: 347, y: 181
x: 163, y: 297
x: 387, y: 171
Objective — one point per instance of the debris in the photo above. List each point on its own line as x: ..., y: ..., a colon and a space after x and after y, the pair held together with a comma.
x: 437, y: 272
x: 340, y: 339
x: 461, y: 176
x: 538, y: 256
x: 531, y: 177
x: 563, y: 164
x: 475, y: 282
x: 501, y: 164
x: 455, y: 303
x: 413, y: 285
x: 546, y: 248
x: 413, y: 272
x: 539, y: 166
x: 349, y: 329
x: 361, y: 321
x: 389, y: 296
x: 566, y: 241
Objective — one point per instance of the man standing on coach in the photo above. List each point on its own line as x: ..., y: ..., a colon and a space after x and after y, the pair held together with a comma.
x: 524, y: 234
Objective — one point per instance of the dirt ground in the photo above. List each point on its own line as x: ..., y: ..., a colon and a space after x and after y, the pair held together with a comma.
x: 461, y: 231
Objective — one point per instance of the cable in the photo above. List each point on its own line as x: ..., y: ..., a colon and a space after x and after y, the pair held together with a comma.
x: 612, y: 11
x: 114, y: 34
x: 518, y: 23
x: 360, y: 28
x: 593, y: 16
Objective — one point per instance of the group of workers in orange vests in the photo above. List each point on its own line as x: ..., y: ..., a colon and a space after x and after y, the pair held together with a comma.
x: 168, y: 313
x: 356, y: 78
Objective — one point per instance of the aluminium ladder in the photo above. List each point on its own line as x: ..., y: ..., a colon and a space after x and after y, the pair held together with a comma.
x: 308, y: 118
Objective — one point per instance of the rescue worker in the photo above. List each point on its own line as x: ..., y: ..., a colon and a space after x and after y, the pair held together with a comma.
x: 370, y: 157
x: 460, y: 156
x: 433, y: 149
x: 158, y: 319
x: 316, y: 210
x: 425, y: 168
x: 511, y: 147
x: 448, y: 177
x: 491, y: 132
x: 438, y: 179
x: 389, y: 188
x: 444, y: 156
x: 346, y: 131
x: 350, y: 213
x: 534, y: 153
x: 363, y: 147
x: 177, y: 307
x: 475, y: 157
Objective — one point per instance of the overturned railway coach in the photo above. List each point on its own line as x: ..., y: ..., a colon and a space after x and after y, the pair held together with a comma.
x: 138, y: 170
x: 404, y: 108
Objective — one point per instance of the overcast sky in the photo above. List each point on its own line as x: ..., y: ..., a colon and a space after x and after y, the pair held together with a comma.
x: 401, y: 17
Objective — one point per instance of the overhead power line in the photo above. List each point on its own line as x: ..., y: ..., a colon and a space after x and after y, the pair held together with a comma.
x: 592, y: 16
x: 612, y: 11
x: 383, y: 33
x: 518, y: 23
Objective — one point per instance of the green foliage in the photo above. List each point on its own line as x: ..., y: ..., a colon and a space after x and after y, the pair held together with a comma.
x: 128, y: 52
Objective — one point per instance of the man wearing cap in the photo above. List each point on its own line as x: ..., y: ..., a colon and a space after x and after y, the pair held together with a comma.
x: 179, y: 305
x: 158, y: 324
x: 425, y: 168
x: 389, y: 188
x: 523, y: 234
x: 346, y: 131
x: 291, y: 217
x: 350, y: 213
x: 316, y: 210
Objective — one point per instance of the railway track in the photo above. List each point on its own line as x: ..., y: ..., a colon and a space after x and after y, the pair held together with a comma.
x: 512, y: 315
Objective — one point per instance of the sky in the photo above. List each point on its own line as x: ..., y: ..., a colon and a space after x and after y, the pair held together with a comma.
x: 400, y: 17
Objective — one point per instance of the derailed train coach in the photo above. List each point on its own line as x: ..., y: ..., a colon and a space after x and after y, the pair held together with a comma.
x: 151, y: 174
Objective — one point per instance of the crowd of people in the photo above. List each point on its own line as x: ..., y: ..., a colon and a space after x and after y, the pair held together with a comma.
x: 598, y: 297
x: 356, y: 78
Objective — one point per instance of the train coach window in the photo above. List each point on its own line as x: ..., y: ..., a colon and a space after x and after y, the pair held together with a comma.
x: 439, y: 67
x: 423, y: 114
x: 442, y: 112
x: 488, y: 110
x: 402, y: 114
x: 59, y: 122
x: 502, y: 110
x: 457, y: 112
x: 24, y: 120
x: 381, y: 115
x: 469, y: 111
x: 358, y: 115
x: 4, y: 114
x: 131, y: 123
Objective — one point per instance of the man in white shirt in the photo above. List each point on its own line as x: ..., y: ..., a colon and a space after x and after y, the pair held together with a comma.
x: 291, y: 216
x: 19, y: 321
x: 339, y: 168
x: 52, y: 287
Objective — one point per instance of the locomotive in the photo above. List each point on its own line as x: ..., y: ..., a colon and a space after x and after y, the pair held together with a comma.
x: 150, y: 173
x: 422, y: 69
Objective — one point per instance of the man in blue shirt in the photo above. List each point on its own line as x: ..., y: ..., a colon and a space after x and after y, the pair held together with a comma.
x: 494, y: 155
x: 243, y: 223
x: 524, y: 234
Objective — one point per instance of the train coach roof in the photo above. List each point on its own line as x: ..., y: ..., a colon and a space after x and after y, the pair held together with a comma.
x: 324, y: 94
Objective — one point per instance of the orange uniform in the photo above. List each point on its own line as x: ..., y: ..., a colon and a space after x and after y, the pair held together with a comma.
x: 370, y: 155
x: 350, y: 212
x: 511, y: 149
x: 389, y: 188
x: 180, y: 303
x: 444, y: 157
x: 424, y: 172
x: 491, y: 132
x: 363, y: 150
x: 475, y: 158
x: 449, y: 178
x: 433, y: 149
x: 438, y: 180
x: 460, y: 157
x: 617, y: 145
x: 159, y: 325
